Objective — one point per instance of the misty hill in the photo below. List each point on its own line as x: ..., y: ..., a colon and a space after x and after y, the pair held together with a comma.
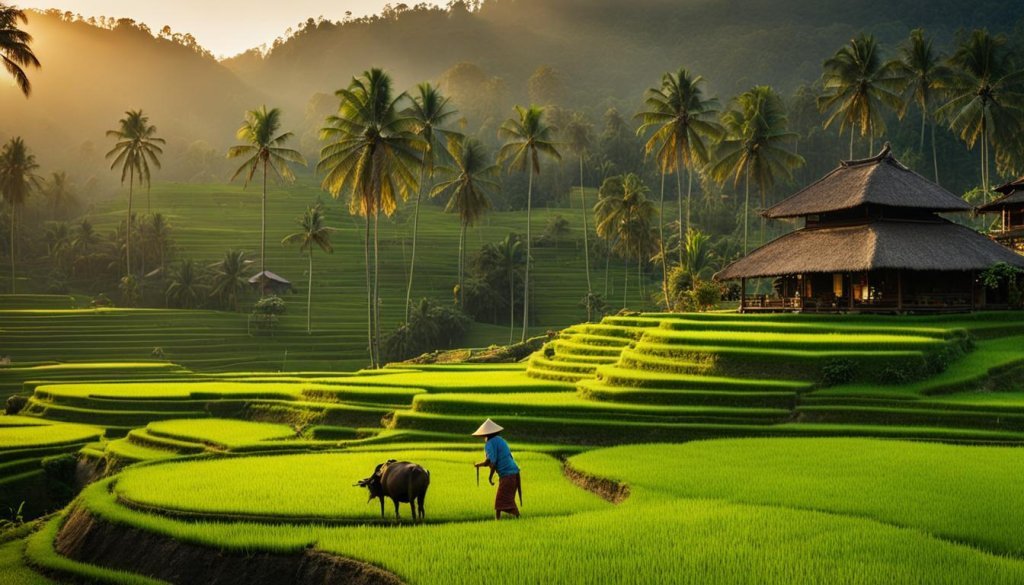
x: 603, y: 53
x: 92, y: 74
x: 607, y: 51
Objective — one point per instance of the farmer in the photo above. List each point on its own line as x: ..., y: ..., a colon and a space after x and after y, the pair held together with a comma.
x: 499, y: 459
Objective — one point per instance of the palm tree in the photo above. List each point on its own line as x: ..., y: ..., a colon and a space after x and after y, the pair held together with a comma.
x: 136, y: 148
x: 264, y: 148
x: 230, y: 278
x: 430, y: 110
x: 17, y: 180
x: 527, y: 137
x: 628, y: 222
x: 15, y: 54
x: 856, y: 85
x: 157, y: 235
x: 923, y: 78
x: 754, y: 146
x: 698, y: 255
x: 507, y: 258
x: 374, y: 154
x: 579, y: 133
x: 186, y: 289
x: 472, y: 180
x: 986, y: 95
x: 314, y: 234
x: 682, y: 120
x: 60, y: 191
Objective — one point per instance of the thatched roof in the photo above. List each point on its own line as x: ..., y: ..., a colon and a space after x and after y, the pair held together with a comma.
x: 1015, y: 185
x: 1012, y: 198
x: 268, y: 276
x: 939, y: 245
x: 879, y: 180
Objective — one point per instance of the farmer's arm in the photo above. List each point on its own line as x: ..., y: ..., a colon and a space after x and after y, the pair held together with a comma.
x: 491, y: 456
x: 484, y: 463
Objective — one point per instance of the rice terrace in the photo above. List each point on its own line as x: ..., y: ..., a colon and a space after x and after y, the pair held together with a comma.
x: 512, y: 291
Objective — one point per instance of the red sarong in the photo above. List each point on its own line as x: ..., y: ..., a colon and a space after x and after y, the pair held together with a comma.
x: 505, y: 499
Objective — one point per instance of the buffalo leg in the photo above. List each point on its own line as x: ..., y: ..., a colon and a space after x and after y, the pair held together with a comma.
x: 397, y: 515
x: 381, y: 508
x: 422, y: 514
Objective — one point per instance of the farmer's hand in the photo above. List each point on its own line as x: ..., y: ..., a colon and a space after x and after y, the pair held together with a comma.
x: 490, y: 480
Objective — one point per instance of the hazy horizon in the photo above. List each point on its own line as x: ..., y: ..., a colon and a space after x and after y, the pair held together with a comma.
x: 218, y: 25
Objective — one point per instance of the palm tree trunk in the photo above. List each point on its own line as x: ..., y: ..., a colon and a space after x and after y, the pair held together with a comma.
x: 664, y: 248
x: 14, y: 223
x: 625, y: 284
x: 462, y: 263
x: 369, y: 292
x: 376, y: 282
x: 415, y: 231
x: 924, y: 122
x: 511, y: 303
x: 763, y: 203
x: 263, y: 229
x: 746, y: 209
x: 689, y: 193
x: 679, y: 196
x: 128, y: 226
x: 851, y: 141
x: 526, y: 279
x: 640, y: 280
x: 586, y: 242
x: 935, y: 155
x: 309, y: 296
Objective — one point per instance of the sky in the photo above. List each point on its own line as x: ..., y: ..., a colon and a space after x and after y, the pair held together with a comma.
x: 225, y: 27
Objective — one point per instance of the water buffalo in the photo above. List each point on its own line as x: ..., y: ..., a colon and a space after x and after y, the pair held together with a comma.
x: 401, y: 481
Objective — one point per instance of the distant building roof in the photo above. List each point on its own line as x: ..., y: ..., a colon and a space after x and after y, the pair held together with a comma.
x: 267, y: 275
x: 1012, y: 198
x: 1006, y: 188
x: 938, y: 245
x: 879, y: 180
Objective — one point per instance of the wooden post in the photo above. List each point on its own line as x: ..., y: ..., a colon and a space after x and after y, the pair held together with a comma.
x: 850, y: 299
x: 899, y: 290
x: 743, y: 294
x: 973, y: 292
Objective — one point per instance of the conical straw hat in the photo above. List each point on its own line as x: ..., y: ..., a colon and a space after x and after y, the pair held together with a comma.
x: 488, y: 428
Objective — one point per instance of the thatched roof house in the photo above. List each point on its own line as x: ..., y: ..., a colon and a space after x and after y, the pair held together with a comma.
x: 268, y: 282
x: 1010, y: 207
x: 872, y: 241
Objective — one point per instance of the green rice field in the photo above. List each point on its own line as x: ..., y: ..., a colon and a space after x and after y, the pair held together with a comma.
x: 692, y: 448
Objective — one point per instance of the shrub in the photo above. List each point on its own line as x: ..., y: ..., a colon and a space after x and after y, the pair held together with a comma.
x: 15, y: 404
x: 60, y: 477
x: 838, y: 371
x: 266, y: 311
x: 431, y: 326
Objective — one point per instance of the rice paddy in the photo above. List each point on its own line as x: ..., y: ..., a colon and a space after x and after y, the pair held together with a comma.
x: 791, y: 460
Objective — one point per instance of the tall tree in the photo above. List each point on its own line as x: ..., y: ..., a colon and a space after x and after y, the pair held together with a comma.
x: 314, y: 234
x: 17, y: 180
x: 186, y: 289
x: 857, y: 85
x: 504, y: 258
x: 527, y: 136
x: 373, y: 152
x: 923, y: 77
x: 579, y: 134
x: 986, y: 95
x: 61, y: 193
x: 681, y: 121
x: 755, y: 146
x: 472, y: 179
x: 15, y: 52
x: 431, y: 111
x: 230, y: 278
x: 628, y: 221
x: 136, y: 148
x: 264, y: 150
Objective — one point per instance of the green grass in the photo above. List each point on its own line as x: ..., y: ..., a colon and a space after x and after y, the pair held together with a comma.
x: 661, y: 534
x: 319, y: 486
x: 46, y: 435
x: 962, y: 494
x: 220, y: 432
x: 13, y: 568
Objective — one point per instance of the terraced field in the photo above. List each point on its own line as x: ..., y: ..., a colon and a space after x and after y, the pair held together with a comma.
x: 256, y: 468
x: 206, y: 220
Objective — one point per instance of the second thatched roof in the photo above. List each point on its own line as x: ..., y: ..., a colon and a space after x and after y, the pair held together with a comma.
x: 880, y: 180
x: 939, y: 245
x: 1012, y: 198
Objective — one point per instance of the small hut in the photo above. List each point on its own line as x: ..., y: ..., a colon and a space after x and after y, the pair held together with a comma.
x: 267, y: 282
x: 1010, y: 206
x: 872, y: 241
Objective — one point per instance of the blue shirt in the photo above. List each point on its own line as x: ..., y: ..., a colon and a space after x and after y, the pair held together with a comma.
x: 499, y: 454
